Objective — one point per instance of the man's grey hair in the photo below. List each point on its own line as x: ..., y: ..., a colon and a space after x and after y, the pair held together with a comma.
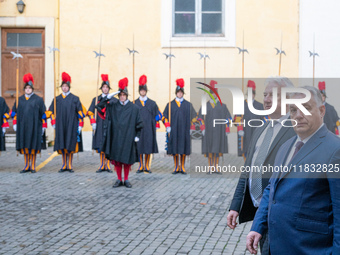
x: 279, y: 80
x: 315, y: 94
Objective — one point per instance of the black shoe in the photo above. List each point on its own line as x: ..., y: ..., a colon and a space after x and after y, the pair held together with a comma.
x: 174, y: 172
x: 117, y: 184
x: 109, y: 171
x: 139, y: 171
x: 147, y: 172
x: 33, y: 171
x: 182, y: 172
x: 25, y: 171
x: 70, y: 170
x: 127, y: 184
x: 100, y: 170
x: 62, y: 170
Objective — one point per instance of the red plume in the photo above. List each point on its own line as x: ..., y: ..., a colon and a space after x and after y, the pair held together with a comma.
x: 251, y: 84
x: 180, y: 82
x: 65, y: 77
x: 28, y: 77
x: 322, y: 85
x: 105, y: 77
x: 213, y: 83
x: 142, y: 80
x: 123, y: 83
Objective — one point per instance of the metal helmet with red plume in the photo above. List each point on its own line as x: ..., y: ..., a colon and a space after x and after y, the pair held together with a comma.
x: 322, y: 87
x: 65, y: 79
x: 105, y: 79
x: 142, y: 83
x: 122, y: 85
x: 28, y: 80
x: 180, y: 85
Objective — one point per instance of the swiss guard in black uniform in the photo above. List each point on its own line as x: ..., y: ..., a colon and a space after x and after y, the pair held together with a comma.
x: 98, y: 126
x: 178, y: 130
x: 123, y: 125
x: 68, y: 123
x: 244, y: 134
x: 331, y: 118
x: 151, y: 115
x: 215, y: 139
x: 29, y: 122
x: 4, y: 116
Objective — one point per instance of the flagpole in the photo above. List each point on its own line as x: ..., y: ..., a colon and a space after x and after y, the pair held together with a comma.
x: 170, y: 86
x: 280, y: 56
x: 133, y: 68
x: 17, y: 76
x: 313, y: 58
x: 97, y: 88
x: 243, y: 64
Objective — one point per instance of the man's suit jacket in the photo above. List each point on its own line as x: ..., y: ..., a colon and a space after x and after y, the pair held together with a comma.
x: 301, y: 211
x: 242, y: 202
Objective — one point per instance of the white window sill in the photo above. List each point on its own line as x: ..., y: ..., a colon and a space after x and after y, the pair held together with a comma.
x: 202, y: 42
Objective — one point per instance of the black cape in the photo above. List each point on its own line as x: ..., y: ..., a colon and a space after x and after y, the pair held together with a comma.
x: 29, y: 123
x: 331, y: 117
x: 179, y: 141
x: 148, y: 141
x: 122, y: 124
x: 3, y: 109
x: 215, y: 139
x: 248, y: 131
x: 66, y: 130
x: 97, y: 139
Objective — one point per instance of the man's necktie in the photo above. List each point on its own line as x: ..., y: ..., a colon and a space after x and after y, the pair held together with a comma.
x: 298, y: 146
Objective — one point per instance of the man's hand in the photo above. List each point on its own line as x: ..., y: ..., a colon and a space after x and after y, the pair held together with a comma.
x: 43, y: 131
x: 79, y: 129
x: 3, y: 131
x: 136, y: 139
x: 203, y: 132
x: 168, y: 129
x: 53, y: 126
x: 15, y: 127
x: 94, y: 126
x: 253, y: 239
x: 231, y: 219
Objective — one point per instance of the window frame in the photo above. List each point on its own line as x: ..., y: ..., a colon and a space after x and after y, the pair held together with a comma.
x: 226, y: 39
x: 199, y: 19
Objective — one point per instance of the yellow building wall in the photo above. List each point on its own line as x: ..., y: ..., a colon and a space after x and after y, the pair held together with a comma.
x: 83, y: 22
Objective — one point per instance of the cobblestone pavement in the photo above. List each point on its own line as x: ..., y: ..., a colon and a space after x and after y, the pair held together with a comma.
x: 80, y: 213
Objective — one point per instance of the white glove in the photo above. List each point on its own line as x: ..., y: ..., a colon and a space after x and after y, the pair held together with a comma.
x: 79, y: 129
x: 53, y: 126
x: 15, y: 127
x: 43, y: 130
x: 203, y: 132
x: 4, y: 130
x: 168, y: 129
x: 240, y: 133
x: 226, y: 133
x: 109, y: 96
x: 94, y: 126
x: 136, y: 139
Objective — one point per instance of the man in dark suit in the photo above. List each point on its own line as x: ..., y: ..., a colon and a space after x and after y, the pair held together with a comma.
x: 262, y: 150
x: 300, y: 208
